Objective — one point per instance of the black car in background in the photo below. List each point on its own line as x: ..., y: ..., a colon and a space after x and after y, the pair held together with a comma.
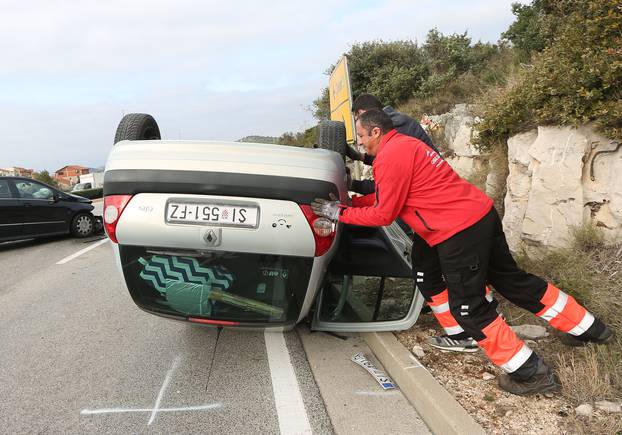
x: 31, y: 209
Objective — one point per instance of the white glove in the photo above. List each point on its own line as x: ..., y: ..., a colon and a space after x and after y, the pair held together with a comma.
x: 326, y: 208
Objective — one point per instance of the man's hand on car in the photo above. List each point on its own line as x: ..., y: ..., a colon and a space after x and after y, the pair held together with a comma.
x: 328, y: 208
x: 353, y: 153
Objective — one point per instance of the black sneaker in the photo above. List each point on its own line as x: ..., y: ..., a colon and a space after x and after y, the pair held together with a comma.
x: 606, y: 336
x: 446, y: 343
x: 543, y: 381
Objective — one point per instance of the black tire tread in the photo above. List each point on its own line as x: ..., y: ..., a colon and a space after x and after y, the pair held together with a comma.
x: 137, y: 126
x: 332, y: 136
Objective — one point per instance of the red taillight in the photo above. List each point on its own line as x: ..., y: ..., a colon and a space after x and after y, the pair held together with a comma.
x: 213, y: 322
x: 322, y: 242
x: 113, y: 207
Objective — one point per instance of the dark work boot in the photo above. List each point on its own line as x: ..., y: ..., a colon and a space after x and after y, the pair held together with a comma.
x: 598, y: 333
x: 541, y: 380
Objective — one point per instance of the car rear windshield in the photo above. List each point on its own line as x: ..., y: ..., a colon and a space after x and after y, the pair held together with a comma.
x: 240, y: 287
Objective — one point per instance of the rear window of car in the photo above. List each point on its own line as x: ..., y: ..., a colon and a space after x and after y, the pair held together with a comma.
x: 241, y: 287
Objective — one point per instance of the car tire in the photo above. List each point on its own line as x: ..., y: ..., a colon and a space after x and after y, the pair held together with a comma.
x: 83, y: 225
x: 137, y: 126
x: 332, y: 136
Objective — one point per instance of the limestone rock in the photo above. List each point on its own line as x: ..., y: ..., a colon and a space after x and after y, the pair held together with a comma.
x: 488, y: 376
x: 531, y: 332
x: 560, y: 178
x: 462, y: 145
x: 584, y: 410
x: 556, y: 198
x: 418, y: 351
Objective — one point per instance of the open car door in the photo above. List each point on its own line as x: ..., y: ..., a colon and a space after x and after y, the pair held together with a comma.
x: 369, y: 285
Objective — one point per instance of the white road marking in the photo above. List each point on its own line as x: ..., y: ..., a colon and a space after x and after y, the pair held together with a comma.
x: 123, y: 410
x: 82, y: 251
x: 167, y: 380
x: 290, y: 408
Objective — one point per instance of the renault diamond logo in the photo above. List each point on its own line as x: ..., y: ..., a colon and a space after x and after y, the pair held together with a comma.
x: 212, y: 237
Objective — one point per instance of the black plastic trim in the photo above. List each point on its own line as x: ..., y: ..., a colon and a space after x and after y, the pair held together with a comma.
x: 134, y: 181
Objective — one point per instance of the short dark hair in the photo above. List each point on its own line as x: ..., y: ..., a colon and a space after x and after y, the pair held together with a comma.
x: 366, y: 102
x: 376, y: 118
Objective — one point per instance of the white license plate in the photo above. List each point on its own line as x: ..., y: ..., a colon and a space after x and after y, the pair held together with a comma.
x: 245, y: 216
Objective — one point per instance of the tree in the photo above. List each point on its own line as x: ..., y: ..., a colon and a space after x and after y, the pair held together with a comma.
x: 575, y: 79
x: 44, y: 177
x: 392, y: 71
x: 320, y: 108
x: 537, y: 25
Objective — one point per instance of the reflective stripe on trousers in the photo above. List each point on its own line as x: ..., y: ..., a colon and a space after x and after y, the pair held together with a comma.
x: 503, y: 347
x: 440, y: 309
x: 563, y: 312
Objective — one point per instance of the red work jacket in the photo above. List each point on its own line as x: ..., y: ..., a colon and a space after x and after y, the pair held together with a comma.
x: 414, y: 183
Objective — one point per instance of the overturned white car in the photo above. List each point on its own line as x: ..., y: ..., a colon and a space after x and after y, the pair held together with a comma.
x: 221, y: 233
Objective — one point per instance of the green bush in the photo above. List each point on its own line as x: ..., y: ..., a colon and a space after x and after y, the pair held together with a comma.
x: 90, y: 193
x: 536, y: 25
x: 431, y: 78
x: 576, y: 79
x: 392, y: 71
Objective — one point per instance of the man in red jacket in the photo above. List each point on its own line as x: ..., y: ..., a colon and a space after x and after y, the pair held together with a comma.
x: 426, y: 268
x: 460, y: 222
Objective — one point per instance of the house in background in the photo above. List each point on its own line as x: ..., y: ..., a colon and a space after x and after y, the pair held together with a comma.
x: 67, y: 176
x: 16, y: 171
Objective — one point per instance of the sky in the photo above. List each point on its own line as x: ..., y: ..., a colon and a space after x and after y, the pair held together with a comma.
x: 70, y: 70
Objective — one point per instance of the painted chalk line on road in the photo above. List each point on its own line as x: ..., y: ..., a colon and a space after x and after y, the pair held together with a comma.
x: 167, y: 380
x: 124, y: 410
x: 82, y: 251
x: 290, y: 407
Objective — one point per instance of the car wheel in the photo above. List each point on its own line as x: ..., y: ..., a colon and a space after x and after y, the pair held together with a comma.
x: 83, y: 225
x: 333, y: 136
x: 137, y: 126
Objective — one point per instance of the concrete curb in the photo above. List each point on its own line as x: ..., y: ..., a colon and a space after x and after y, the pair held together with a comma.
x: 441, y: 412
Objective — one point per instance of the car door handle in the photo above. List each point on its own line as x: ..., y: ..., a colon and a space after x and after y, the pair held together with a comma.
x: 27, y: 204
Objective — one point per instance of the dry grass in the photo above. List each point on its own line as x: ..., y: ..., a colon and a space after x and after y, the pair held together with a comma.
x: 583, y: 377
x: 597, y: 426
x: 591, y: 272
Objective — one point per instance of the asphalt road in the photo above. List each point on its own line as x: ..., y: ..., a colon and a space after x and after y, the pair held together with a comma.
x: 79, y: 357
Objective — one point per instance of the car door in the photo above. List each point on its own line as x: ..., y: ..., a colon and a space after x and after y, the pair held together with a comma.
x: 42, y: 213
x: 11, y: 217
x: 369, y: 286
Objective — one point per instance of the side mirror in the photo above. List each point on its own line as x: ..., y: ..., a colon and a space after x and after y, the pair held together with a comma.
x: 55, y: 198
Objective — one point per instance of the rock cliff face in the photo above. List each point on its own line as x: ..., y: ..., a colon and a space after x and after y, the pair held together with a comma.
x: 456, y: 135
x: 556, y: 178
x: 560, y: 177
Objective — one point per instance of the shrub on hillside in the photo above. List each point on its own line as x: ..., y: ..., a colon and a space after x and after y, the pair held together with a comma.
x: 445, y: 70
x: 90, y: 193
x: 574, y: 80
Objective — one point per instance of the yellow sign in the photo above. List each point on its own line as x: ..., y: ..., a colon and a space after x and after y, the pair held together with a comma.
x: 341, y: 97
